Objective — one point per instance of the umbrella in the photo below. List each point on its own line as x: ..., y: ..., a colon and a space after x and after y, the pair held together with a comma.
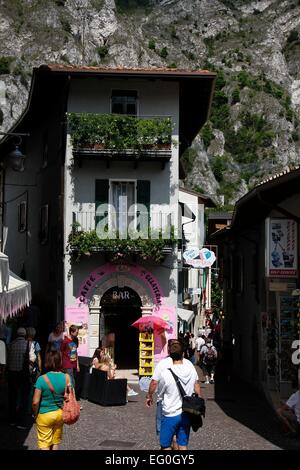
x: 151, y: 321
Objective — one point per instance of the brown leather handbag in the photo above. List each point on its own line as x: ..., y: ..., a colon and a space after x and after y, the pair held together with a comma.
x: 71, y: 407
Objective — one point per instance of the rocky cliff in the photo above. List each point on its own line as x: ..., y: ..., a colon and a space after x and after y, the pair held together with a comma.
x: 254, y: 46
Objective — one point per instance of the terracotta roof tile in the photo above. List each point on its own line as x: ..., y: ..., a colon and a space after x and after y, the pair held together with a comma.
x: 277, y: 175
x: 150, y: 70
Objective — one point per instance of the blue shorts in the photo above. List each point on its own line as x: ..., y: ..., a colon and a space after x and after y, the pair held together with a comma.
x: 175, y: 425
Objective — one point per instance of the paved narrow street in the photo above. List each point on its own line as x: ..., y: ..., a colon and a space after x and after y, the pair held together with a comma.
x: 237, y: 419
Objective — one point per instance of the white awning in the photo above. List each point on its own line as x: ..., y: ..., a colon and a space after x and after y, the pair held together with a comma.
x: 15, y: 297
x: 185, y: 315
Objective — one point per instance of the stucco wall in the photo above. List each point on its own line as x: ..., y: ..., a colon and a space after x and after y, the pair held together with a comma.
x: 155, y: 98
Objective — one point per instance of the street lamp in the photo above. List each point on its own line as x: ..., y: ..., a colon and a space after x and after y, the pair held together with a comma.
x: 15, y: 158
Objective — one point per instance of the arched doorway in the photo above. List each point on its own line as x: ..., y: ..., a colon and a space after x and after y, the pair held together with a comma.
x: 120, y: 307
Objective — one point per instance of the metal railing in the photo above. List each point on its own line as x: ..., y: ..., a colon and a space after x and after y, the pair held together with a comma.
x: 122, y: 224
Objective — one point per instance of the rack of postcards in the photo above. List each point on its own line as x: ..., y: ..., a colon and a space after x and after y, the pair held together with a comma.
x: 270, y: 342
x: 146, y: 360
x: 289, y: 306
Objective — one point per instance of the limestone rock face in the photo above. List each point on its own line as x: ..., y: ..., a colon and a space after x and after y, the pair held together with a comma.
x: 254, y: 47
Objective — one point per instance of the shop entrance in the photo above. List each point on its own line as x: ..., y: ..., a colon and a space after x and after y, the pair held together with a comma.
x: 120, y: 307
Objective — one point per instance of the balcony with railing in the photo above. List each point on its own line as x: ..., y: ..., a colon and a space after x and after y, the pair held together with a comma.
x: 121, y: 137
x: 120, y: 234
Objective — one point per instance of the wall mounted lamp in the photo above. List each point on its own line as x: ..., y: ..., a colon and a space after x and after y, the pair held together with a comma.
x: 15, y: 159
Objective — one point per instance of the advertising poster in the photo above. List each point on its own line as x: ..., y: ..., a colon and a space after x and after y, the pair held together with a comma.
x: 281, y: 248
x: 160, y: 341
x: 79, y: 316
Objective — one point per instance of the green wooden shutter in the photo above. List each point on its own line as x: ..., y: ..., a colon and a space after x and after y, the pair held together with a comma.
x: 101, y: 196
x: 143, y: 196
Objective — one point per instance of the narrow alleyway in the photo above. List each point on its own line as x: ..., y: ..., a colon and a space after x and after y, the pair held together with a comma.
x: 237, y: 419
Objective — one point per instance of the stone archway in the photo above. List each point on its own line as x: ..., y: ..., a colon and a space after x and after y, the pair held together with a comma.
x: 106, y: 276
x: 122, y: 281
x: 120, y: 308
x: 97, y: 320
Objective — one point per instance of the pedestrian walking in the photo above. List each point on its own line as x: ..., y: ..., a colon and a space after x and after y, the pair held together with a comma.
x: 209, y: 359
x: 35, y: 361
x: 156, y: 385
x: 56, y: 336
x: 289, y: 413
x: 70, y: 362
x: 192, y: 348
x: 35, y: 357
x: 200, y: 341
x: 173, y: 420
x: 18, y: 379
x: 47, y: 406
x: 186, y: 343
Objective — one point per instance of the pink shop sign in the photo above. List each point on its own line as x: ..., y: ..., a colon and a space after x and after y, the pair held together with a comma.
x: 101, y: 274
x: 160, y: 341
x: 79, y: 315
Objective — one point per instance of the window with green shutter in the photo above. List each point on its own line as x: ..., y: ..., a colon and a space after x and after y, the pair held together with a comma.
x: 101, y: 197
x: 143, y: 197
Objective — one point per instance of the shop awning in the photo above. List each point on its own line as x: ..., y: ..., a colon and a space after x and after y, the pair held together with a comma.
x: 185, y: 315
x: 15, y: 293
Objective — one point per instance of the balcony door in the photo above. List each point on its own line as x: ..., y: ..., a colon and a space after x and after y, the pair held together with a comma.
x: 123, y: 200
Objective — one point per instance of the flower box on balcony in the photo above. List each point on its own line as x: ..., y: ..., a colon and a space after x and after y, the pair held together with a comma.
x: 150, y: 249
x: 119, y: 133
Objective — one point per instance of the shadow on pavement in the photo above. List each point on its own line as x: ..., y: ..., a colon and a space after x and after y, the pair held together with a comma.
x: 12, y: 438
x: 245, y: 404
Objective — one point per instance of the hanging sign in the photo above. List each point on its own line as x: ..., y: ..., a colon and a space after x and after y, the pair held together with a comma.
x: 203, y: 258
x: 191, y: 254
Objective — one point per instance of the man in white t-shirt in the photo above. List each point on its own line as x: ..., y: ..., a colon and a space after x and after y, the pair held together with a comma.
x: 289, y: 412
x: 155, y: 384
x: 174, y: 421
x: 200, y: 341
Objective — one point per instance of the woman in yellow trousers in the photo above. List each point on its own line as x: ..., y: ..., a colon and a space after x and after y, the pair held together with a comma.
x: 47, y: 406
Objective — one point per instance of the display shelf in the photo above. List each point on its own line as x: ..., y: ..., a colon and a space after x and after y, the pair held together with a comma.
x: 146, y: 356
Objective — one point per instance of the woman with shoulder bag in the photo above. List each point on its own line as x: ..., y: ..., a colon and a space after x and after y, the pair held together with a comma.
x: 47, y: 404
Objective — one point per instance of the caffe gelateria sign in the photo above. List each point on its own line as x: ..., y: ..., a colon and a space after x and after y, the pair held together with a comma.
x: 100, y: 275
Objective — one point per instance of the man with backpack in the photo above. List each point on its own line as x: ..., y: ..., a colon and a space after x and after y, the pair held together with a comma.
x: 209, y: 359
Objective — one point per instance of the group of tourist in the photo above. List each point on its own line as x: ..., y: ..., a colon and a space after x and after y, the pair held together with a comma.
x: 44, y: 383
x: 101, y: 360
x: 28, y: 389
